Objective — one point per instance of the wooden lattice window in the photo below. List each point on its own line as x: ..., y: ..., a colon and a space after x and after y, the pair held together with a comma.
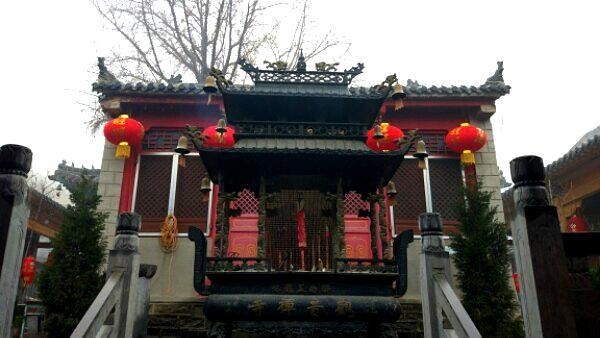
x: 446, y: 183
x: 189, y: 207
x: 411, y: 194
x: 152, y: 195
x: 246, y: 203
x: 353, y: 203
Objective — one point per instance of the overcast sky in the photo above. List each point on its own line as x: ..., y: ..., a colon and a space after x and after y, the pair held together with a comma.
x: 550, y: 51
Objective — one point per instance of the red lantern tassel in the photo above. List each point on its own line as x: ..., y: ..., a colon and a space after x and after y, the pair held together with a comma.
x: 467, y: 157
x: 123, y: 150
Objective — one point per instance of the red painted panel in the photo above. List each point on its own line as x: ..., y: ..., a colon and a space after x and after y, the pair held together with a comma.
x: 243, y: 234
x: 126, y: 200
x: 358, y: 237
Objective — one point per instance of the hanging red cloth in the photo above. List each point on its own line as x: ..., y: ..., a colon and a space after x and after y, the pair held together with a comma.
x: 301, y: 221
x: 577, y: 224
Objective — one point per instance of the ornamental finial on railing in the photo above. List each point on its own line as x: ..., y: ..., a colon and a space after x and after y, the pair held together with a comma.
x: 15, y: 159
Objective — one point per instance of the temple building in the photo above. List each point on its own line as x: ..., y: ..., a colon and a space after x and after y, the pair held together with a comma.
x: 281, y: 188
x: 574, y: 181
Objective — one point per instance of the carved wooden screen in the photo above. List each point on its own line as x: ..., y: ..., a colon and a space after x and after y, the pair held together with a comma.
x: 189, y: 207
x: 152, y: 195
x: 411, y: 195
x: 281, y: 230
x: 446, y: 185
x: 446, y: 182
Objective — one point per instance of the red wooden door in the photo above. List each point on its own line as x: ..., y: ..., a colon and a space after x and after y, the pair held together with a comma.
x: 243, y: 234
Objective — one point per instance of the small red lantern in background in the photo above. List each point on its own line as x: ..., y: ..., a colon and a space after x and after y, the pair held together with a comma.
x: 124, y: 132
x: 219, y: 136
x: 384, y: 139
x: 466, y: 139
x: 28, y: 270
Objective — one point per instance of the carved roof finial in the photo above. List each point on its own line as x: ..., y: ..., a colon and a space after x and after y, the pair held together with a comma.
x: 497, y: 77
x: 103, y: 74
x: 301, y: 64
x: 174, y: 80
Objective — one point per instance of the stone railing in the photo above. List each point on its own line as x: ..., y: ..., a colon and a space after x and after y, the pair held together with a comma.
x: 126, y: 290
x: 437, y: 295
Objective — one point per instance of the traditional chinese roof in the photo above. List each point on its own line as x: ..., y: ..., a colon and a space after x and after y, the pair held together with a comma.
x: 297, y: 162
x: 586, y: 149
x: 107, y: 85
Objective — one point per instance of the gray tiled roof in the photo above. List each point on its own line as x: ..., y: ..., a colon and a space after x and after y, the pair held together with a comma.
x: 493, y: 88
x: 301, y: 144
x: 413, y: 89
x: 588, y: 145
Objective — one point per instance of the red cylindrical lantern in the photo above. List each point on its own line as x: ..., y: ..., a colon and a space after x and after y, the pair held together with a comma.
x: 391, y: 135
x: 124, y: 132
x: 28, y: 270
x: 466, y: 139
x: 216, y: 139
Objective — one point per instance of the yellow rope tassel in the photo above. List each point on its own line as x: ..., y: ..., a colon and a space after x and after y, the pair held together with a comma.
x: 467, y: 157
x: 168, y: 242
x: 123, y: 150
x: 168, y: 234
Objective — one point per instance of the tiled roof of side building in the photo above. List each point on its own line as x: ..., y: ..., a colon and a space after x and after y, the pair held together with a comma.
x: 587, y: 147
x: 107, y: 84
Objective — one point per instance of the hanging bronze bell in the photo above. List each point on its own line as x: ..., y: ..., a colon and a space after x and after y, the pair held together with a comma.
x: 391, y: 189
x: 398, y: 92
x: 205, y: 188
x: 205, y: 185
x: 221, y: 126
x: 210, y: 85
x: 182, y: 145
x: 377, y: 134
x: 421, y: 153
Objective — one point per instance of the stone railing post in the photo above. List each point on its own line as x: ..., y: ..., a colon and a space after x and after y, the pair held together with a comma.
x: 433, y: 260
x: 147, y: 271
x: 437, y: 294
x: 539, y: 254
x: 15, y: 162
x: 126, y: 258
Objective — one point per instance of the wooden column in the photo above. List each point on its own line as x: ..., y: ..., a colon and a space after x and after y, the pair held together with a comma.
x: 539, y: 254
x: 341, y: 226
x: 385, y: 253
x: 373, y: 228
x: 262, y: 211
x: 15, y: 162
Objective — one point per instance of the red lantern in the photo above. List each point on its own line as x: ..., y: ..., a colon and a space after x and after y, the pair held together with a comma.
x: 388, y: 142
x: 218, y: 139
x: 466, y: 139
x: 28, y: 270
x: 124, y: 132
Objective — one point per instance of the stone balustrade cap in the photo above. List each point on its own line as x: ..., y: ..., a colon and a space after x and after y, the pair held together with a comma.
x: 15, y: 159
x: 527, y: 170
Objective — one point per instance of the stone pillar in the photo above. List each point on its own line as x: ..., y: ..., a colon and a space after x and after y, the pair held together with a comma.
x: 109, y: 188
x: 539, y: 254
x: 125, y: 256
x: 147, y: 271
x: 486, y: 165
x: 433, y: 259
x: 15, y: 163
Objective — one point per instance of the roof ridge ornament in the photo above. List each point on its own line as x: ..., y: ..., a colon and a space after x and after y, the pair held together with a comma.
x: 301, y: 64
x: 497, y: 77
x: 174, y: 80
x: 277, y: 73
x: 105, y: 76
